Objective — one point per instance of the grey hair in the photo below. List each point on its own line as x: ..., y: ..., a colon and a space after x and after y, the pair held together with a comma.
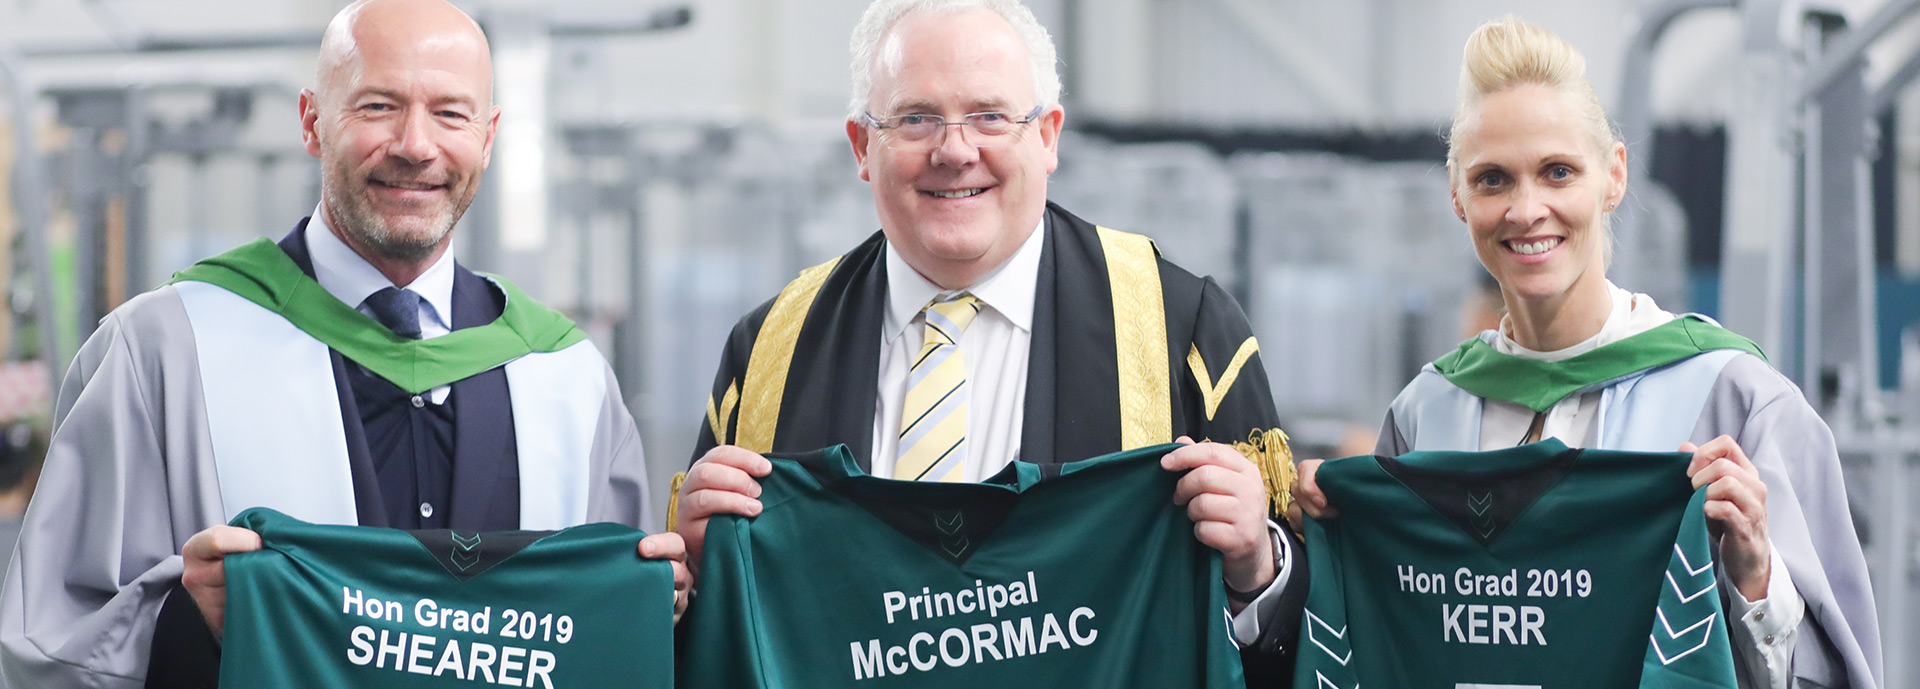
x: 882, y: 15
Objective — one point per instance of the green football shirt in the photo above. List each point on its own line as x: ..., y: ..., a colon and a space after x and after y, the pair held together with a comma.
x: 349, y: 606
x: 1538, y: 566
x: 1091, y: 578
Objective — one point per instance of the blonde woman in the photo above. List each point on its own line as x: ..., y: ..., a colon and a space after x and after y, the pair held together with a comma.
x: 1535, y: 171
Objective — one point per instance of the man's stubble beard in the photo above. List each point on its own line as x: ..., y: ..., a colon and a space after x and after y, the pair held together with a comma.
x: 358, y: 220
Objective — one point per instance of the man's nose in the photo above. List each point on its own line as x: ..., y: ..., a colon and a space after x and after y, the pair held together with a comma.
x: 414, y: 142
x: 953, y: 148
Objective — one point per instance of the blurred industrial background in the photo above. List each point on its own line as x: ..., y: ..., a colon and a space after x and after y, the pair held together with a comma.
x: 663, y: 167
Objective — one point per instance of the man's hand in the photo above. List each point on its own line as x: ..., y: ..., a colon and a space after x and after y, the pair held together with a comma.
x: 206, y: 576
x: 722, y: 482
x: 1737, y: 507
x: 1227, y: 501
x: 670, y: 547
x: 1307, y: 497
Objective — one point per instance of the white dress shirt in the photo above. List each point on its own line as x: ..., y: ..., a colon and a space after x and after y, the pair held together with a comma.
x: 995, y: 350
x: 1763, y: 641
x: 996, y: 345
x: 351, y: 279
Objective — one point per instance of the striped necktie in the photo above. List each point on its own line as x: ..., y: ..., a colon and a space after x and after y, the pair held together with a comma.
x: 933, y: 420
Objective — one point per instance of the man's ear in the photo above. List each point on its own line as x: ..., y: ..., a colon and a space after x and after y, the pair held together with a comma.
x: 493, y: 127
x: 310, y: 121
x: 859, y: 137
x: 1049, y: 125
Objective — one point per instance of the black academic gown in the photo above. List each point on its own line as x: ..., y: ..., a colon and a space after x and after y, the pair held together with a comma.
x: 1073, y: 388
x: 485, y: 494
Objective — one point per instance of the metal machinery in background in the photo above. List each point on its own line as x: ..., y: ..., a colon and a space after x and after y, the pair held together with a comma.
x: 29, y: 200
x: 672, y: 231
x: 1356, y: 271
x: 1182, y: 194
x: 121, y: 144
x: 1798, y: 270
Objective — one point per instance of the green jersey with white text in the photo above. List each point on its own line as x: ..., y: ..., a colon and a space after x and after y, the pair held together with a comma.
x: 348, y: 606
x: 1092, y: 578
x: 1538, y: 566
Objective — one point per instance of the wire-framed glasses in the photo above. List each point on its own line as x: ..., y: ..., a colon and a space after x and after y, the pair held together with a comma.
x: 988, y: 128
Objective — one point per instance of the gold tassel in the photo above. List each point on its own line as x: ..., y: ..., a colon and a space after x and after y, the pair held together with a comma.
x: 1269, y: 450
x: 673, y: 498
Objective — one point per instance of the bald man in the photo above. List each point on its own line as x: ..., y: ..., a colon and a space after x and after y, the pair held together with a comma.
x: 352, y: 373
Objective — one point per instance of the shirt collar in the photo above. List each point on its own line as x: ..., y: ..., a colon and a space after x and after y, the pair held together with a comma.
x: 1008, y: 290
x: 351, y: 279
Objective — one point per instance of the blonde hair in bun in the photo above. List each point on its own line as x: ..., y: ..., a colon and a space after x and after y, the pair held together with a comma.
x: 1511, y: 52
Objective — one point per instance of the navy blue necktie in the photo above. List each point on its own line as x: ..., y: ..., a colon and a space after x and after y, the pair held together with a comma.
x: 397, y: 309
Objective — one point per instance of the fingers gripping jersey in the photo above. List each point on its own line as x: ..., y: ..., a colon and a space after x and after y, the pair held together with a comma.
x: 348, y: 606
x: 1089, y: 579
x: 1538, y: 566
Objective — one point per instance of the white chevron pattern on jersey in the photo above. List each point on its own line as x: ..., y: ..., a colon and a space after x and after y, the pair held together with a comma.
x: 1679, y: 643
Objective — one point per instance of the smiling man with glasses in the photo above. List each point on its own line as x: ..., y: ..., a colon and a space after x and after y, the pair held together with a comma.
x: 984, y: 325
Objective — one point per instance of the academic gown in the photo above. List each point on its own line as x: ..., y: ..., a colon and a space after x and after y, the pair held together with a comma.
x: 131, y: 474
x: 1127, y: 350
x: 1687, y: 381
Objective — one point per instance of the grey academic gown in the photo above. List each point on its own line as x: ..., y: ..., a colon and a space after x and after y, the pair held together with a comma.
x: 131, y: 474
x: 1721, y: 392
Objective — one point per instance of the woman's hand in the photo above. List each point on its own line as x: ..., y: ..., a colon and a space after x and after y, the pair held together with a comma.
x: 1737, y: 509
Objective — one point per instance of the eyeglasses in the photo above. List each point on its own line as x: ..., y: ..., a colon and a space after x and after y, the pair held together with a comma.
x: 989, y: 128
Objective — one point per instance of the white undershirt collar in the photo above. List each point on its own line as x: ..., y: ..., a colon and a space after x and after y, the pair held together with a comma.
x: 351, y: 279
x: 1630, y: 315
x: 1009, y: 289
